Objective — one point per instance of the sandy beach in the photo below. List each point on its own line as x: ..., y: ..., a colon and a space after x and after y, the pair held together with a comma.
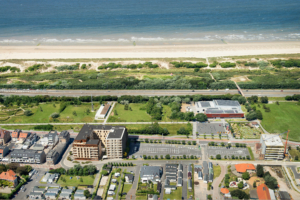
x: 175, y: 51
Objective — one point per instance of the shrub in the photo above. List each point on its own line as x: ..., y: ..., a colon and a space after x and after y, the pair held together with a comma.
x: 55, y: 115
x: 227, y: 64
x: 28, y: 113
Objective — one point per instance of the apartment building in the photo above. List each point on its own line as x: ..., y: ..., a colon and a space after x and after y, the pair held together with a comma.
x: 272, y: 147
x: 27, y: 156
x: 15, y: 135
x: 3, y: 151
x: 4, y: 137
x: 88, y: 143
x: 52, y: 138
x: 56, y: 153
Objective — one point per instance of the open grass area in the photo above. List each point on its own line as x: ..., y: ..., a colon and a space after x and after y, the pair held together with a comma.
x: 133, y: 115
x: 127, y: 187
x: 245, y: 131
x: 217, y: 171
x: 281, y: 118
x: 86, y: 180
x: 294, y: 153
x: 175, y: 194
x: 42, y: 112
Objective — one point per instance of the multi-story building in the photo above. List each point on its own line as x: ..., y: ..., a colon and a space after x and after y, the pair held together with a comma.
x: 151, y: 173
x: 3, y: 151
x: 54, y: 154
x: 27, y: 156
x: 15, y: 135
x: 23, y: 136
x: 272, y: 147
x: 31, y: 140
x: 88, y: 143
x: 52, y: 138
x: 4, y: 137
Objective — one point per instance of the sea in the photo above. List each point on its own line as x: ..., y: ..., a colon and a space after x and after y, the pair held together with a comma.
x: 147, y: 22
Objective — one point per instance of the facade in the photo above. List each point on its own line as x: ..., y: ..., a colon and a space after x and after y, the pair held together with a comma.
x: 56, y: 153
x: 151, y: 173
x: 129, y: 178
x: 33, y: 138
x: 23, y: 136
x: 52, y: 138
x: 271, y: 147
x: 27, y: 156
x: 3, y: 151
x: 10, y: 176
x: 4, y: 137
x: 88, y: 143
x: 103, y: 111
x: 220, y: 109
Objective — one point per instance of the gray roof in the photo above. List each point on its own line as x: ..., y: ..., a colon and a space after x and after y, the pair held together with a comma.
x: 68, y: 191
x: 204, y: 104
x: 51, y: 135
x: 29, y: 153
x: 150, y: 170
x: 284, y: 195
x: 211, y: 177
x: 41, y: 190
x: 130, y: 176
x: 218, y: 110
x: 171, y: 176
x: 190, y: 168
x: 226, y: 103
x: 3, y: 147
x: 171, y: 170
x: 93, y: 141
x: 79, y: 192
x: 180, y: 174
x: 53, y: 190
x: 210, y: 165
x: 51, y: 194
x: 179, y: 181
x: 200, y: 174
x: 87, y: 130
x: 209, y: 128
x: 189, y: 183
x: 153, y: 196
x: 171, y: 166
x: 167, y: 181
x: 64, y: 134
x: 205, y: 177
x: 35, y: 194
x: 253, y: 194
x: 180, y: 167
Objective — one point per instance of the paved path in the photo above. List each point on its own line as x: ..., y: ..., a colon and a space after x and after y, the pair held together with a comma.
x: 289, y: 175
x: 131, y: 193
x: 216, y: 190
x: 111, y: 109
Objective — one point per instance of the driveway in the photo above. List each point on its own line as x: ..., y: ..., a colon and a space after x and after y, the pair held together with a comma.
x: 201, y: 189
x: 132, y: 191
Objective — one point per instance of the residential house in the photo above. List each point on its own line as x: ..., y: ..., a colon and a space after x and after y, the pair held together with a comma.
x: 53, y: 190
x: 189, y: 175
x: 79, y: 191
x: 180, y: 174
x: 36, y: 189
x: 152, y: 197
x: 52, y: 138
x: 210, y: 177
x: 4, y: 137
x: 190, y: 168
x: 35, y: 195
x: 180, y: 167
x: 190, y: 184
x: 112, y: 188
x: 205, y: 180
x: 253, y: 194
x: 38, y: 146
x: 64, y: 137
x: 23, y: 136
x: 245, y: 167
x: 205, y: 167
x: 283, y: 195
x: 79, y: 196
x: 150, y: 173
x: 111, y: 193
x: 171, y: 166
x: 10, y: 176
x: 66, y: 191
x: 263, y: 192
x: 46, y: 177
x: 129, y: 178
x: 15, y: 135
x: 50, y: 195
x: 179, y: 182
x: 210, y: 165
x: 211, y: 171
x: 3, y: 151
x: 197, y: 168
x: 65, y: 196
x: 200, y: 175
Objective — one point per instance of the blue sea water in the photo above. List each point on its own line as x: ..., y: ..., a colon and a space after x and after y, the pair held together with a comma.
x: 121, y: 22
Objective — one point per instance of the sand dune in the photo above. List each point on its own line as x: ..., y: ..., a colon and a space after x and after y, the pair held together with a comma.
x: 175, y: 51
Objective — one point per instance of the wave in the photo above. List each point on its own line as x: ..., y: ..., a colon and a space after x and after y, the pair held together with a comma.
x: 229, y: 37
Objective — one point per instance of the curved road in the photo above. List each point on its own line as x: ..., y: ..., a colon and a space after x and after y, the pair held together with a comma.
x: 76, y: 93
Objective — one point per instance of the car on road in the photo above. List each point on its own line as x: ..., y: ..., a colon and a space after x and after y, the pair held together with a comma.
x: 131, y: 172
x: 124, y: 193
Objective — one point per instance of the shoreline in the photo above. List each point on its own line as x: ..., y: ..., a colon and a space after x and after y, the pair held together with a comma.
x: 163, y: 51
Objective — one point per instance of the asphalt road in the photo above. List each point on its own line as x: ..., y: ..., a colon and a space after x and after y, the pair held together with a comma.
x: 76, y: 93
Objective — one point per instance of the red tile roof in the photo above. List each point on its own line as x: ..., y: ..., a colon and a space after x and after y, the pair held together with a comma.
x: 15, y: 135
x: 244, y: 167
x: 9, y: 175
x: 224, y: 190
x: 263, y: 192
x: 2, y: 133
x: 23, y: 135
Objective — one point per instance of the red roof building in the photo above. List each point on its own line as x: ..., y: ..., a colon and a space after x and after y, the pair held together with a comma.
x: 244, y: 167
x: 263, y: 192
x: 10, y: 176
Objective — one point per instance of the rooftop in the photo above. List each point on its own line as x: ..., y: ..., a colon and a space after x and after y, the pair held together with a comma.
x: 3, y: 133
x: 224, y: 190
x: 271, y: 140
x: 64, y: 134
x: 243, y: 167
x: 209, y: 128
x: 226, y: 103
x: 105, y: 109
x: 263, y: 192
x: 9, y: 175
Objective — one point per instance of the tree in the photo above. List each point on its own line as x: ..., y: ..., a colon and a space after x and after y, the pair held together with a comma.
x: 218, y: 157
x: 259, y: 171
x: 156, y: 157
x: 242, y: 100
x: 74, y: 113
x: 264, y: 99
x: 296, y: 158
x: 222, y: 144
x: 81, y: 180
x: 104, y: 172
x: 88, y: 111
x: 238, y: 193
x: 240, y: 185
x: 28, y: 112
x: 194, y: 142
x: 86, y: 193
x: 246, y: 176
x: 209, y: 197
x: 168, y: 156
x: 183, y: 131
x: 259, y: 114
x: 271, y: 182
x: 41, y: 109
x: 115, y: 112
x: 254, y: 184
x: 22, y: 171
x: 251, y: 115
x: 201, y: 117
x: 55, y: 115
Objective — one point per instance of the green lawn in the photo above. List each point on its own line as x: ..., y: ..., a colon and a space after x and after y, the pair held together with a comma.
x: 134, y: 115
x: 175, y: 194
x: 127, y: 187
x: 294, y: 153
x: 42, y: 116
x: 283, y: 117
x: 87, y: 180
x: 217, y: 171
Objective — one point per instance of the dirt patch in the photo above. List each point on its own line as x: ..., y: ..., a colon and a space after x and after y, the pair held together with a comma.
x: 240, y: 79
x: 185, y: 107
x: 255, y: 179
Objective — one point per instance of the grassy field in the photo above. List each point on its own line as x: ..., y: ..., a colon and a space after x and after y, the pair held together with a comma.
x: 42, y: 112
x: 134, y: 115
x: 127, y: 187
x: 283, y: 117
x: 294, y: 153
x: 87, y: 180
x: 217, y: 171
x: 175, y: 194
x: 242, y: 130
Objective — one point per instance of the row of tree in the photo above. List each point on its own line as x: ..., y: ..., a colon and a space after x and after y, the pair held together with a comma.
x: 77, y: 170
x: 153, y: 129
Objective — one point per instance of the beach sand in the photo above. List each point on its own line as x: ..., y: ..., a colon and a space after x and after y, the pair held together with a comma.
x: 174, y: 51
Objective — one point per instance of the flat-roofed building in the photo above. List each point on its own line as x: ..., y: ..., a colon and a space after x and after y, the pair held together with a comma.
x: 31, y: 139
x: 52, y: 138
x: 4, y: 136
x: 56, y: 153
x: 88, y: 143
x: 3, y: 151
x: 271, y: 147
x: 15, y: 135
x: 103, y: 111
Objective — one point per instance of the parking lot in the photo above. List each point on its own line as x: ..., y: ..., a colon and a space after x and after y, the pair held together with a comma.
x: 164, y: 149
x: 213, y: 151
